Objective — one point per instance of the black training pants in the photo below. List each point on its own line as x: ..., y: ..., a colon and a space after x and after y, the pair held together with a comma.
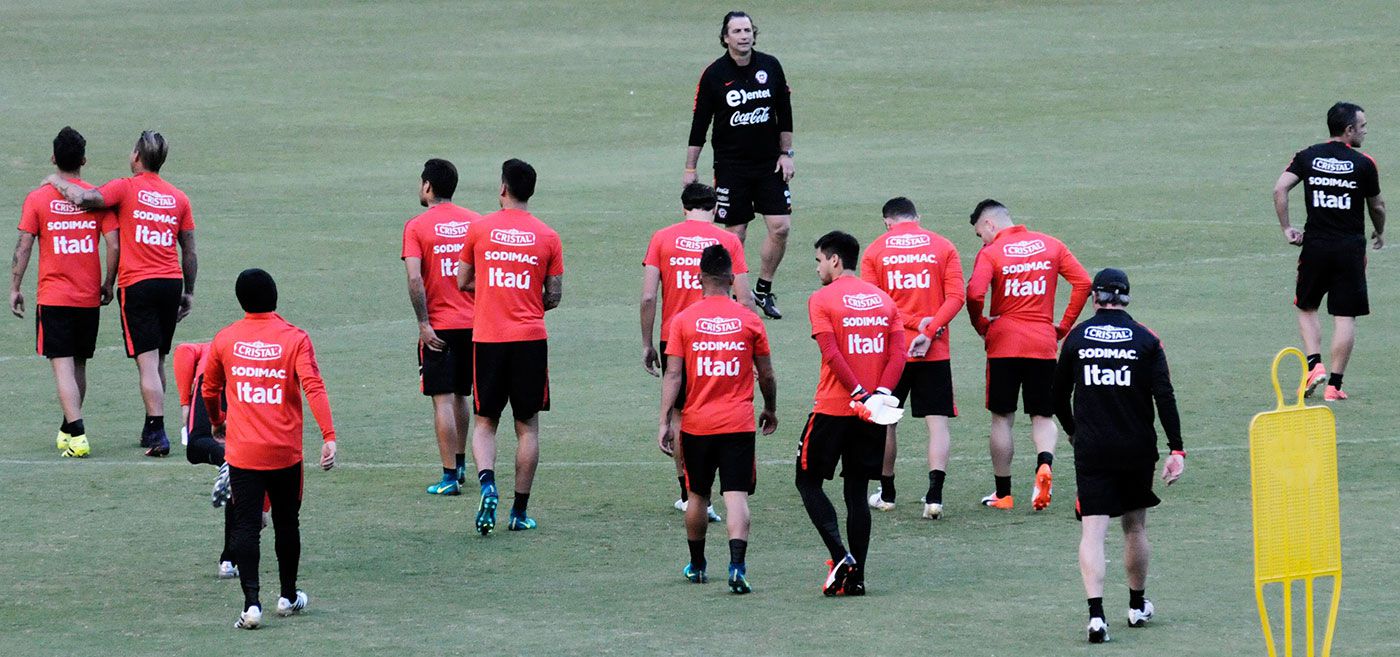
x: 283, y: 490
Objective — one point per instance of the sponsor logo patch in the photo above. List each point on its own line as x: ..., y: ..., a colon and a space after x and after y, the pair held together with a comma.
x: 1332, y: 165
x: 912, y: 241
x: 257, y: 350
x: 761, y: 76
x: 1108, y: 333
x: 695, y: 243
x: 512, y: 237
x: 452, y: 229
x: 1024, y: 249
x: 155, y: 199
x: 718, y: 325
x: 861, y: 301
x: 60, y: 206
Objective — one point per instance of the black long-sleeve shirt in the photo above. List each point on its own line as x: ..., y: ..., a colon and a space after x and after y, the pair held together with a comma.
x: 1114, y: 368
x: 748, y: 107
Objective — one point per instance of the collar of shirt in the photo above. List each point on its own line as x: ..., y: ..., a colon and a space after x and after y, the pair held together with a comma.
x: 261, y: 316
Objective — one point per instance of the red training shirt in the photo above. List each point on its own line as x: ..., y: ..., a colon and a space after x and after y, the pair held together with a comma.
x: 190, y: 360
x: 512, y: 253
x: 151, y: 213
x: 717, y: 338
x: 862, y: 318
x: 675, y: 250
x: 70, y: 269
x: 437, y: 237
x: 267, y: 363
x: 1021, y: 268
x: 921, y: 271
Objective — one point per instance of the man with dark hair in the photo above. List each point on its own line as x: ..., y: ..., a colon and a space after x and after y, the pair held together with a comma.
x: 744, y: 94
x: 714, y: 350
x: 514, y: 263
x: 672, y: 269
x: 432, y: 242
x: 1336, y: 177
x: 71, y: 284
x: 267, y: 363
x: 156, y: 282
x: 1113, y: 368
x: 861, y: 337
x: 1019, y: 270
x: 921, y: 271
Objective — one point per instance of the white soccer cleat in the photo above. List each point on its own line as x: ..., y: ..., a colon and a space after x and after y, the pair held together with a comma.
x: 1098, y: 630
x: 878, y: 502
x: 932, y: 510
x: 714, y: 517
x: 1139, y: 618
x: 680, y: 505
x: 287, y: 607
x: 250, y: 619
x: 227, y: 570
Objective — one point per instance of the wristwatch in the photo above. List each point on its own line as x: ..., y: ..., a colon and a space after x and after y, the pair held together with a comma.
x: 789, y: 152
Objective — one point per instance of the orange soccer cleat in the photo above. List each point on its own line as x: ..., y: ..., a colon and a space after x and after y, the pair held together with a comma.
x: 1316, y: 377
x: 1004, y: 503
x: 1333, y: 393
x: 1040, y: 493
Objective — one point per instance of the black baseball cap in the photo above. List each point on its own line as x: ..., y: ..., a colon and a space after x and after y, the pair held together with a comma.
x: 1111, y: 280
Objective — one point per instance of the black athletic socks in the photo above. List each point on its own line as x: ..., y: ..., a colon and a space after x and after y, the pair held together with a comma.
x: 449, y: 473
x: 1003, y: 486
x: 887, y: 488
x: 738, y: 549
x: 763, y: 287
x: 461, y: 461
x: 154, y: 423
x: 522, y: 502
x: 1044, y: 458
x: 1136, y: 599
x: 935, y: 487
x: 1335, y: 380
x: 1314, y: 360
x: 1096, y: 608
x: 74, y: 428
x: 685, y: 494
x: 697, y: 553
x: 486, y: 478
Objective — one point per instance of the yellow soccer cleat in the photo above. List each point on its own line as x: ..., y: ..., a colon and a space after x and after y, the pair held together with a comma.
x: 62, y: 441
x: 77, y: 447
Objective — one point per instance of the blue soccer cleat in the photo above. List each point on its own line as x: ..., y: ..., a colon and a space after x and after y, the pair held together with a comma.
x: 738, y: 580
x: 520, y: 522
x: 695, y: 575
x: 486, y: 511
x: 448, y: 486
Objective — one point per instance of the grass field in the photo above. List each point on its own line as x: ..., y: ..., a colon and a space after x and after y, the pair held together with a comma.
x: 1145, y: 135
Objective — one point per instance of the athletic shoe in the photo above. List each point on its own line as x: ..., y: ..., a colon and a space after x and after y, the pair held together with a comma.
x: 77, y: 447
x: 227, y: 570
x: 62, y: 441
x: 738, y: 579
x: 768, y: 303
x: 1316, y: 377
x: 486, y: 511
x: 932, y: 510
x: 160, y: 445
x: 1098, y: 630
x: 836, y: 576
x: 147, y: 438
x: 1040, y: 492
x: 855, y: 583
x: 1333, y: 393
x: 462, y: 476
x: 1004, y: 503
x: 520, y: 523
x: 1138, y: 618
x: 222, y: 491
x: 250, y: 619
x: 878, y: 502
x: 696, y: 576
x: 448, y: 486
x: 682, y: 505
x: 287, y: 607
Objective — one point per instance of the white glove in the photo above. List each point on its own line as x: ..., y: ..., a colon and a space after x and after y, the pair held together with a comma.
x: 880, y: 408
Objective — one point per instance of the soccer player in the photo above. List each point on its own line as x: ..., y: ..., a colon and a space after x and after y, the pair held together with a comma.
x: 1336, y: 177
x: 1019, y: 269
x: 672, y: 268
x: 71, y: 283
x: 714, y: 349
x: 514, y: 263
x: 189, y: 361
x: 858, y: 329
x: 745, y: 95
x: 921, y: 271
x: 268, y: 364
x: 432, y: 242
x: 156, y: 282
x: 1113, y: 368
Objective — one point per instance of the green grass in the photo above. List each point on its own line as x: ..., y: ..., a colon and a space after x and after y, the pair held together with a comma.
x: 1145, y: 135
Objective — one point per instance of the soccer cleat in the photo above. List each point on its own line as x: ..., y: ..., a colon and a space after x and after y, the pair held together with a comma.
x: 1138, y: 618
x: 1316, y: 377
x: 738, y: 579
x: 77, y: 447
x: 462, y: 476
x: 486, y: 511
x: 932, y: 510
x: 695, y: 575
x: 1004, y: 503
x: 222, y: 491
x: 520, y: 522
x: 836, y: 576
x: 1098, y: 630
x: 160, y: 445
x: 62, y: 441
x: 877, y: 501
x: 1333, y: 393
x: 287, y: 607
x: 147, y: 438
x: 250, y: 619
x: 682, y: 505
x: 448, y: 486
x: 855, y: 583
x: 768, y: 303
x: 227, y: 570
x: 1040, y: 492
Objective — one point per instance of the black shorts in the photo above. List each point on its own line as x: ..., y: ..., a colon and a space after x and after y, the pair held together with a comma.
x: 448, y: 371
x: 732, y: 454
x: 65, y: 331
x: 1337, y: 271
x: 929, y: 387
x: 680, y: 398
x: 1032, y: 377
x: 149, y: 309
x: 1114, y: 491
x: 511, y: 372
x: 744, y: 191
x: 857, y: 444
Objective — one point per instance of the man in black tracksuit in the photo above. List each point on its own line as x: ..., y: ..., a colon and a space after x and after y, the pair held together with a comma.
x: 1113, y: 368
x: 744, y: 96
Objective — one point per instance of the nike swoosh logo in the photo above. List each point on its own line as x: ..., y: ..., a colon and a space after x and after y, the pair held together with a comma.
x: 729, y: 83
